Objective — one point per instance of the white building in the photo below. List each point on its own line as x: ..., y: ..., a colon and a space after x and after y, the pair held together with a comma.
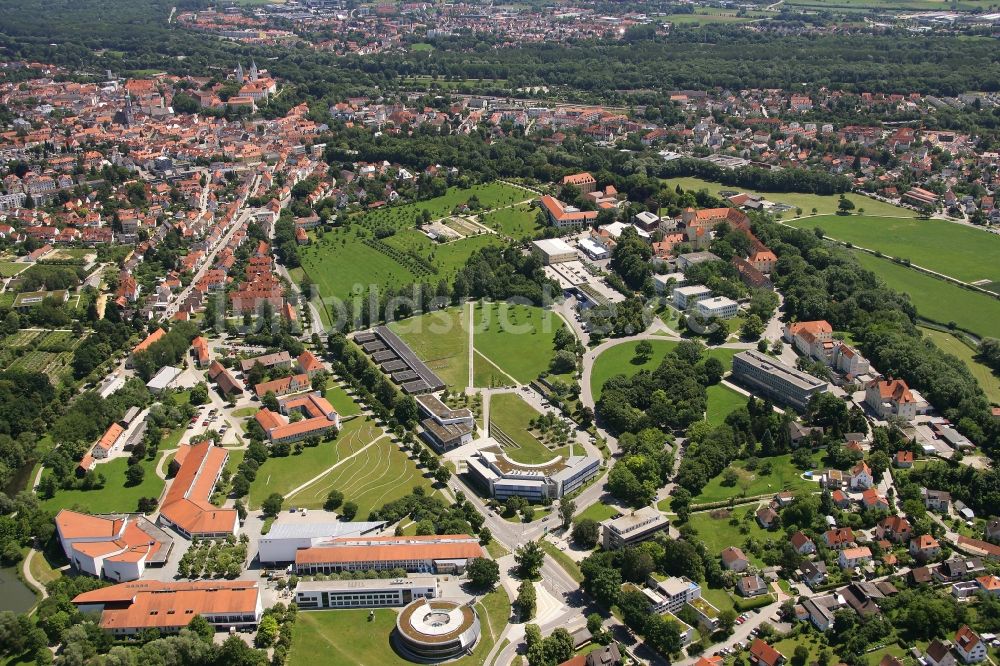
x: 367, y: 593
x: 717, y: 306
x: 553, y: 250
x: 500, y: 477
x: 593, y: 249
x: 684, y: 297
x: 290, y: 532
x: 676, y: 592
x: 632, y: 528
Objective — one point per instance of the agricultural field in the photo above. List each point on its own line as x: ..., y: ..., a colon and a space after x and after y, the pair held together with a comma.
x: 380, y: 474
x: 957, y: 250
x: 707, y: 17
x: 517, y: 222
x: 621, y: 360
x: 946, y: 342
x: 517, y: 338
x: 441, y: 340
x: 347, y: 637
x: 114, y: 497
x: 512, y: 415
x: 824, y: 204
x: 350, y: 256
x: 937, y: 300
x: 784, y: 476
x: 282, y: 475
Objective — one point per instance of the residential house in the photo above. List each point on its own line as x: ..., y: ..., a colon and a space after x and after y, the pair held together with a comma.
x: 762, y: 654
x: 903, y: 460
x: 766, y: 517
x: 802, y: 544
x: 813, y: 573
x: 959, y: 568
x: 969, y: 646
x: 861, y: 476
x: 871, y: 500
x: 852, y: 558
x: 839, y: 538
x: 894, y: 528
x: 937, y: 500
x: 924, y: 547
x: 891, y: 398
x: 734, y: 559
x: 939, y: 653
x: 989, y: 584
x: 751, y: 586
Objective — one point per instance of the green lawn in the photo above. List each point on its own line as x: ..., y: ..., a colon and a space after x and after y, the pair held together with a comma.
x: 487, y: 375
x: 281, y: 475
x: 987, y: 379
x: 824, y: 204
x: 9, y: 268
x: 421, y: 46
x: 340, y: 263
x: 511, y: 414
x: 341, y: 401
x: 114, y: 497
x: 936, y: 299
x: 783, y: 476
x: 717, y: 596
x: 347, y: 637
x: 621, y: 360
x: 517, y: 222
x: 718, y: 535
x: 598, y: 512
x: 517, y: 338
x: 441, y: 340
x: 721, y: 401
x: 568, y: 564
x: 381, y: 474
x: 957, y: 250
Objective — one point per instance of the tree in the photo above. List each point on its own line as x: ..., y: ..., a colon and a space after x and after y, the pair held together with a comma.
x: 267, y: 632
x: 567, y: 508
x: 558, y: 646
x: 563, y: 362
x: 406, y: 412
x: 800, y: 656
x: 349, y: 511
x: 270, y: 401
x: 644, y: 350
x: 442, y: 474
x: 844, y: 205
x: 663, y: 635
x: 271, y: 506
x: 134, y: 475
x: 485, y: 536
x: 529, y: 558
x: 752, y: 328
x: 333, y: 500
x: 526, y: 599
x: 199, y: 394
x: 727, y: 620
x: 200, y: 626
x: 483, y: 573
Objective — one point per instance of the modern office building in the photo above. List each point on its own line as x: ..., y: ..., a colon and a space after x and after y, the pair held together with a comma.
x: 632, y: 528
x: 444, y: 428
x: 500, y: 477
x: 776, y: 380
x: 553, y: 250
x: 116, y: 547
x: 685, y: 297
x: 717, y: 306
x: 187, y: 506
x: 366, y: 593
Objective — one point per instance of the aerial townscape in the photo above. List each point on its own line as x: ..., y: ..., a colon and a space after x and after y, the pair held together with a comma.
x: 542, y: 333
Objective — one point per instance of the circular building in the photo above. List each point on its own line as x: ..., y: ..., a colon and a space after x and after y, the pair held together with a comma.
x: 436, y: 630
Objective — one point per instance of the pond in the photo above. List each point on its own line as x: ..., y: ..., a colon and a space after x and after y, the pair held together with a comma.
x: 14, y: 594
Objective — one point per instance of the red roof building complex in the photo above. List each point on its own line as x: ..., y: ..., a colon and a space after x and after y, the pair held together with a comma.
x: 186, y: 507
x: 319, y: 418
x: 117, y: 547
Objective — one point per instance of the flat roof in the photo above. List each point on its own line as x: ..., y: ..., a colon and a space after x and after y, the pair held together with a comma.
x: 553, y: 246
x: 769, y: 364
x: 366, y: 584
x: 314, y: 530
x: 395, y: 343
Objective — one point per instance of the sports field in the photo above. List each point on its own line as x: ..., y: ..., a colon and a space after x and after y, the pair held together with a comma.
x: 114, y: 497
x: 348, y: 637
x: 621, y: 360
x: 517, y: 338
x: 380, y: 473
x: 511, y: 415
x: 938, y: 300
x: 957, y: 250
x: 824, y: 204
x: 946, y: 342
x: 441, y: 340
x: 282, y: 475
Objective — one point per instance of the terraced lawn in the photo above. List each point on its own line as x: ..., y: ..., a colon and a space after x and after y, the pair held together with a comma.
x: 517, y: 338
x: 341, y: 401
x: 958, y: 250
x: 937, y: 300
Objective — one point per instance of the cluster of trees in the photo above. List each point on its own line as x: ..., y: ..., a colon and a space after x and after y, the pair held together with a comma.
x: 50, y: 277
x: 671, y: 397
x: 432, y: 514
x: 168, y: 350
x: 616, y: 320
x: 554, y: 649
x: 643, y: 467
x: 104, y: 341
x: 979, y: 489
x: 284, y: 236
x: 375, y: 389
x: 214, y: 558
x: 630, y: 259
x: 504, y: 273
x: 568, y: 349
x: 989, y: 353
x: 276, y: 628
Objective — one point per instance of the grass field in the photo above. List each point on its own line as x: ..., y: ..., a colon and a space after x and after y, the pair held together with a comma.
x: 988, y: 381
x: 721, y: 401
x: 718, y: 534
x: 441, y: 340
x: 511, y: 414
x: 824, y: 204
x: 347, y: 637
x: 598, y: 512
x: 517, y: 222
x: 621, y: 360
x: 487, y: 375
x: 689, y: 19
x: 381, y: 474
x: 936, y: 299
x: 957, y: 250
x: 343, y: 403
x: 517, y: 338
x: 114, y: 497
x: 340, y: 262
x: 281, y: 475
x: 784, y: 476
x: 9, y: 268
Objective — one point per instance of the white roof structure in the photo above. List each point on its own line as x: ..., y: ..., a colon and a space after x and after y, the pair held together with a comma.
x: 164, y: 378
